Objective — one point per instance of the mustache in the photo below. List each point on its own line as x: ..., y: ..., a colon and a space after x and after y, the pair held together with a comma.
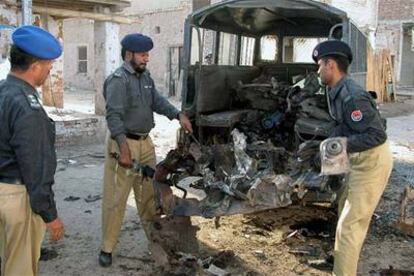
x: 134, y: 64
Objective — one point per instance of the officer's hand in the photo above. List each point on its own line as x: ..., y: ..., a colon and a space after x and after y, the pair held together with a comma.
x: 55, y: 229
x: 124, y: 156
x: 185, y: 122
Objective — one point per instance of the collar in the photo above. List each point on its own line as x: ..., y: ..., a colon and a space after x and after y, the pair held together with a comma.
x: 128, y: 68
x: 334, y: 91
x: 21, y: 83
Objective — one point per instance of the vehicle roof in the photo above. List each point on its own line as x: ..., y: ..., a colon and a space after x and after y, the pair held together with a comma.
x: 258, y: 17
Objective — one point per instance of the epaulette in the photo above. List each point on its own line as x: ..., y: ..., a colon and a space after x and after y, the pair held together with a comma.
x: 33, y: 102
x: 117, y: 73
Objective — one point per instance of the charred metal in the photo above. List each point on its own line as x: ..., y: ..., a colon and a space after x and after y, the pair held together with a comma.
x: 264, y: 156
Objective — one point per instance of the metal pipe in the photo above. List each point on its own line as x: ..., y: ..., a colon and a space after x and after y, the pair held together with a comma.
x: 26, y: 12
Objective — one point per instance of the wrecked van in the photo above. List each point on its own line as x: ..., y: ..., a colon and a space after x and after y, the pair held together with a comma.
x: 259, y: 113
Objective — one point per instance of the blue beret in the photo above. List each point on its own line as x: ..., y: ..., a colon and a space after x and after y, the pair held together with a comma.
x: 37, y: 42
x: 137, y: 43
x: 332, y: 48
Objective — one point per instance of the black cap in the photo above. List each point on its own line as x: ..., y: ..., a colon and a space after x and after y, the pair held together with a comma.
x: 137, y: 43
x: 332, y: 48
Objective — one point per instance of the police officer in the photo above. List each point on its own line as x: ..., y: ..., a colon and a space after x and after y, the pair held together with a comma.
x: 27, y: 154
x: 357, y: 119
x: 131, y: 98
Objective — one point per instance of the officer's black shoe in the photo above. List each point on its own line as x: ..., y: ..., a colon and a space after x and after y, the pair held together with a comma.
x: 105, y: 259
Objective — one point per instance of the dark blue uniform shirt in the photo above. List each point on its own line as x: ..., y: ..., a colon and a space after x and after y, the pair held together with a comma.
x: 131, y: 100
x: 356, y: 116
x: 27, y: 151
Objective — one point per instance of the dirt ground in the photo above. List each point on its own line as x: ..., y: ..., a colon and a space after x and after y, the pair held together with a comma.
x: 278, y: 242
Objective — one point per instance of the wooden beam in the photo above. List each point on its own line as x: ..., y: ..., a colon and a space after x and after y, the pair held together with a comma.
x: 120, y: 3
x: 89, y: 3
x: 62, y: 13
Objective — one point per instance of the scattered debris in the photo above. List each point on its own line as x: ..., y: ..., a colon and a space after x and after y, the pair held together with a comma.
x: 127, y: 268
x: 221, y: 259
x: 391, y: 271
x: 376, y: 216
x: 322, y: 264
x: 406, y: 220
x: 260, y: 254
x: 170, y: 237
x: 48, y: 254
x: 71, y: 198
x: 261, y: 223
x: 306, y: 250
x: 292, y: 234
x: 315, y: 228
x: 216, y: 271
x: 265, y: 157
x: 96, y: 155
x: 91, y: 198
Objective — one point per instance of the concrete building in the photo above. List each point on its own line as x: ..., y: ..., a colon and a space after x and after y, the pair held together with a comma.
x: 9, y: 16
x: 163, y: 21
x: 396, y: 31
x: 78, y: 53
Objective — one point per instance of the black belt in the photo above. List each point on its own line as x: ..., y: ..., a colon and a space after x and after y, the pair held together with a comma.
x: 136, y: 136
x: 11, y: 180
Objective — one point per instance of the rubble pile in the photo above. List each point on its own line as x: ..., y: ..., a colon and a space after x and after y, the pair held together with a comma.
x: 269, y: 158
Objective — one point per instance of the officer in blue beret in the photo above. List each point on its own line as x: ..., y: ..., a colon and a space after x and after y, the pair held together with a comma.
x: 358, y: 119
x: 27, y: 154
x: 131, y: 100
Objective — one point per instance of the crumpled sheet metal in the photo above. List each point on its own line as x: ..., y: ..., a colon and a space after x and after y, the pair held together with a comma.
x: 245, y: 164
x: 271, y: 190
x: 334, y: 157
x: 267, y: 192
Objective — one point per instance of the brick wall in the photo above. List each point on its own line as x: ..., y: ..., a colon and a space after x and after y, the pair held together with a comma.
x: 396, y: 9
x: 165, y: 25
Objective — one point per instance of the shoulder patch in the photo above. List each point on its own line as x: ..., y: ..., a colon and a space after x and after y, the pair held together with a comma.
x: 356, y: 115
x: 34, y: 103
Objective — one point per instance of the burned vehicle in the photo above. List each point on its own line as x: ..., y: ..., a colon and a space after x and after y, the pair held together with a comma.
x: 258, y: 110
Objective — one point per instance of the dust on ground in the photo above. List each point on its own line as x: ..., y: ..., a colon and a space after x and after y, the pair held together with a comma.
x: 278, y: 242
